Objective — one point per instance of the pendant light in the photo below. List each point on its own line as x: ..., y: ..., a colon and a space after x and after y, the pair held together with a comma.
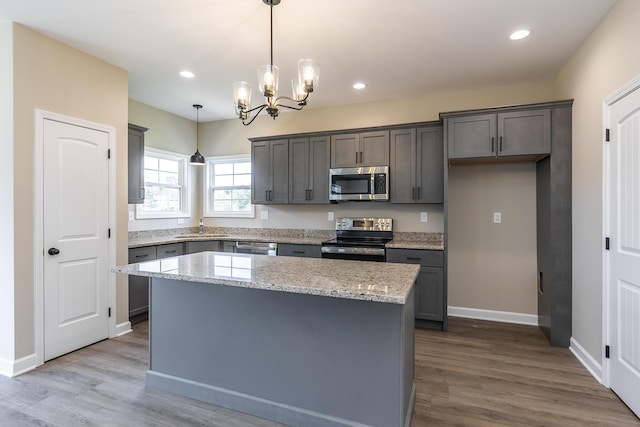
x: 197, y: 158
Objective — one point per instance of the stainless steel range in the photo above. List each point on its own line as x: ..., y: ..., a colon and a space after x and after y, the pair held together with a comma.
x: 361, y: 239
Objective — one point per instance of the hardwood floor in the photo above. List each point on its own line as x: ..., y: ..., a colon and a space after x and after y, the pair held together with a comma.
x: 476, y: 374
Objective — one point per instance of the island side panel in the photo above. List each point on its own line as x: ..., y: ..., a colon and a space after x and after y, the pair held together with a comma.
x: 293, y: 358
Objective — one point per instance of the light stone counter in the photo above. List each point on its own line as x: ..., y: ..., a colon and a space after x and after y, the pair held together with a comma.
x: 357, y: 280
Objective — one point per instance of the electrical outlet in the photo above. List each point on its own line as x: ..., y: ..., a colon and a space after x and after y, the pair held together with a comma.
x: 180, y: 220
x: 423, y: 217
x: 131, y: 216
x: 264, y: 214
x: 330, y: 216
x: 497, y: 217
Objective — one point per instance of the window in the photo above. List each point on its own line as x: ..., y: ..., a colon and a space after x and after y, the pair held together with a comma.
x: 165, y: 185
x: 228, y: 187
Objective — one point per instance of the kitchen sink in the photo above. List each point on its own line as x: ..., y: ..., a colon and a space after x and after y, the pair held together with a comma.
x: 204, y: 235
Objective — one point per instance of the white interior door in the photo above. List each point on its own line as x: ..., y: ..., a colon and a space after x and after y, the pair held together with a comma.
x: 624, y: 252
x: 76, y: 246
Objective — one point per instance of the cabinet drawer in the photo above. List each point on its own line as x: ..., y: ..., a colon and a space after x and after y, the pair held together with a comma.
x: 202, y: 246
x: 415, y: 256
x: 146, y: 253
x: 309, y: 251
x: 165, y: 251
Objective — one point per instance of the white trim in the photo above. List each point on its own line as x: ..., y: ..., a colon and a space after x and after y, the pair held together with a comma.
x: 586, y: 359
x: 123, y: 328
x: 40, y: 116
x: 13, y: 368
x: 493, y: 315
x: 626, y: 89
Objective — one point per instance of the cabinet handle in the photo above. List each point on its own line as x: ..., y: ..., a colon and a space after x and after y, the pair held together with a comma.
x: 413, y: 193
x: 170, y: 252
x: 311, y: 194
x: 500, y: 145
x: 298, y: 252
x: 493, y: 143
x: 361, y: 157
x: 356, y: 157
x: 142, y: 256
x: 419, y: 196
x: 409, y: 258
x: 271, y: 195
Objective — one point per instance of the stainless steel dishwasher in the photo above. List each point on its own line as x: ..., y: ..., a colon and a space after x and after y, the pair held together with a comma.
x: 257, y: 248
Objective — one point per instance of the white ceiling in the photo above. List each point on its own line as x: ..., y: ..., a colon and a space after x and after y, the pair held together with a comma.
x: 398, y: 48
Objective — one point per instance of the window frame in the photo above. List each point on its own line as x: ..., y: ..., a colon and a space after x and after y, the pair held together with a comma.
x: 184, y: 174
x: 209, y: 161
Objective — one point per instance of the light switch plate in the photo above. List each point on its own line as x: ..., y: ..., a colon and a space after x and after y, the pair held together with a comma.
x: 424, y: 217
x: 497, y: 217
x: 330, y: 216
x: 264, y: 214
x: 131, y: 216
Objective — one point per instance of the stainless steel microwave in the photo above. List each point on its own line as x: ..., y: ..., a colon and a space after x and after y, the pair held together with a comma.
x: 365, y: 183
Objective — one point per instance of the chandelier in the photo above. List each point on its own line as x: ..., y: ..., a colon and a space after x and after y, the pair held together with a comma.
x: 308, y: 74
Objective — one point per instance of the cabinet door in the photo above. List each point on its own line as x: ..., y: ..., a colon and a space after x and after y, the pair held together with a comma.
x: 524, y: 132
x: 430, y: 165
x: 471, y: 136
x: 166, y: 251
x: 138, y: 285
x: 136, y: 164
x: 345, y: 150
x: 279, y: 172
x: 202, y: 246
x: 429, y: 294
x: 299, y: 170
x: 309, y: 251
x: 319, y: 164
x: 402, y: 166
x: 374, y: 148
x: 260, y: 172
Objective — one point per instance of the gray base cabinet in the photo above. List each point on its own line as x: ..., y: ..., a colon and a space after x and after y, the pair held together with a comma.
x: 139, y: 286
x: 430, y: 295
x: 308, y: 251
x: 204, y: 245
x: 417, y: 165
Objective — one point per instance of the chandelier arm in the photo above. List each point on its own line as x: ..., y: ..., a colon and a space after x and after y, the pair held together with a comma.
x: 289, y: 107
x: 259, y: 107
x: 262, y: 107
x: 291, y: 99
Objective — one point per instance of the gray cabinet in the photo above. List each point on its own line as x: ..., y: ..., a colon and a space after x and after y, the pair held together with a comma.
x: 228, y: 246
x: 509, y: 133
x: 290, y: 249
x: 309, y: 170
x: 136, y: 163
x: 139, y: 286
x: 203, y: 245
x: 270, y: 172
x: 417, y: 165
x: 172, y: 249
x: 430, y: 294
x: 360, y: 149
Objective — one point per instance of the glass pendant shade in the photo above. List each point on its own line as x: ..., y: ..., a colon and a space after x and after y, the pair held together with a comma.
x: 268, y: 80
x: 308, y: 74
x: 242, y: 96
x: 297, y: 90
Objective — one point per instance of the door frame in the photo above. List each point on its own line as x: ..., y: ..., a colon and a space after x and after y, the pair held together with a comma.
x: 607, y: 104
x: 38, y: 229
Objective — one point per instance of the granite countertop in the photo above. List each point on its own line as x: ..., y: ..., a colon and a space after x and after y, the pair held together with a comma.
x: 402, y: 240
x: 358, y: 280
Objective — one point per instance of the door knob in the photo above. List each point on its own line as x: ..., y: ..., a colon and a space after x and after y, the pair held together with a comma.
x: 54, y: 251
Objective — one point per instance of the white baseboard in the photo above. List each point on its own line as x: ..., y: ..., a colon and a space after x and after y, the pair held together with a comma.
x: 12, y: 368
x: 123, y: 328
x: 493, y: 315
x: 586, y: 359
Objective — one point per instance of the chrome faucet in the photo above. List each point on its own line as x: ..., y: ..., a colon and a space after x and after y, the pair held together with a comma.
x: 201, y: 227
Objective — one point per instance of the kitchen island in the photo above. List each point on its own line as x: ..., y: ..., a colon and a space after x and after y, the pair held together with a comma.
x: 300, y: 341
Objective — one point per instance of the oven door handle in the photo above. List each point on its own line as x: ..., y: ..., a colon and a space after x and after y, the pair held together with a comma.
x: 352, y: 250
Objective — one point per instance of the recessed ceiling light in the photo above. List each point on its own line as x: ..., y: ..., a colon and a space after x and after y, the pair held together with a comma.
x: 187, y: 74
x: 519, y: 35
x: 359, y: 85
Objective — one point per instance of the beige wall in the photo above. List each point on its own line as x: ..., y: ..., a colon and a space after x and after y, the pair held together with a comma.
x: 7, y: 308
x: 54, y: 77
x: 607, y: 59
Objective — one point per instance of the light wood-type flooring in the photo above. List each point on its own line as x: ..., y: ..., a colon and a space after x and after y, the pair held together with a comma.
x: 476, y: 374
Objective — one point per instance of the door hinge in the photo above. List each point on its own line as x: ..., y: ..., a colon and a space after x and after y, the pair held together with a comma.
x: 607, y: 351
x: 109, y: 153
x: 606, y: 243
x: 607, y: 135
x: 109, y: 311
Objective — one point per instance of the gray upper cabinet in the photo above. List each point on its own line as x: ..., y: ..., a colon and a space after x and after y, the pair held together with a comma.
x: 309, y: 159
x: 270, y: 172
x: 136, y: 164
x: 511, y: 133
x: 417, y: 165
x: 360, y: 149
